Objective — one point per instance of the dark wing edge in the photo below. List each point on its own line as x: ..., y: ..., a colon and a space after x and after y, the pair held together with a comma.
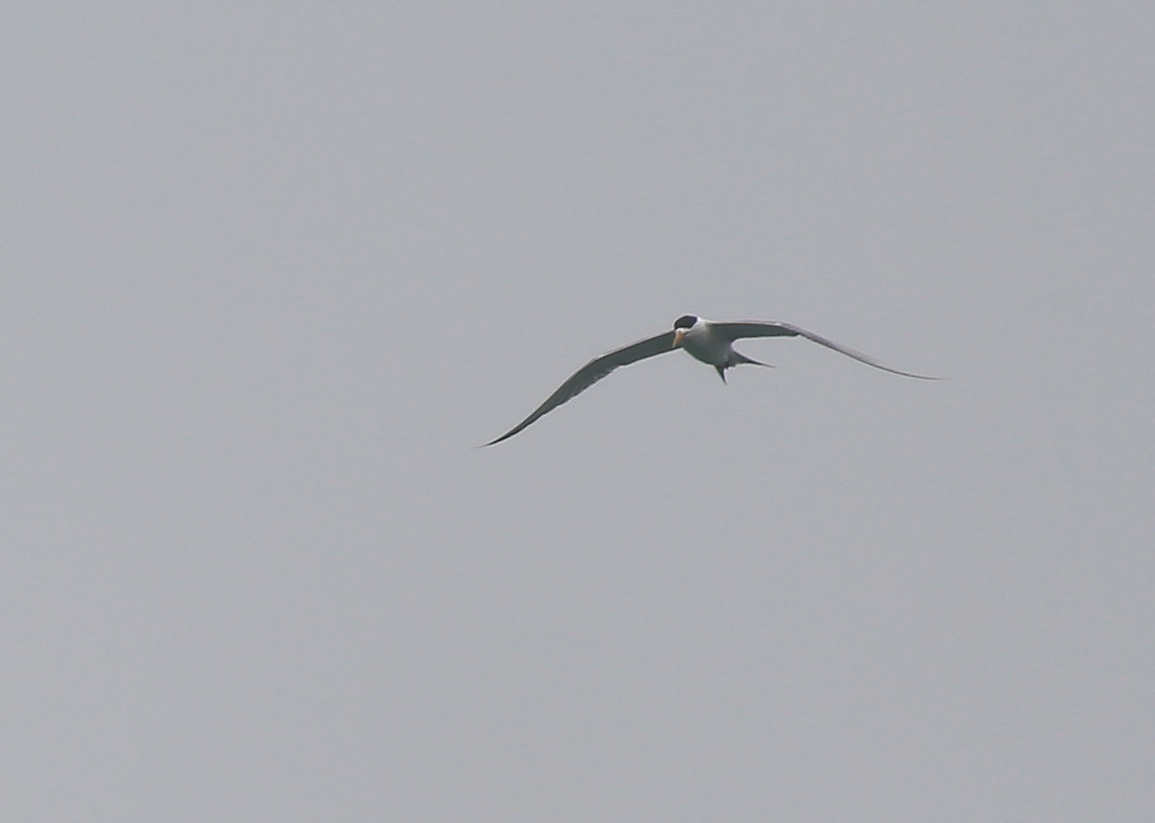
x: 759, y: 328
x: 592, y: 372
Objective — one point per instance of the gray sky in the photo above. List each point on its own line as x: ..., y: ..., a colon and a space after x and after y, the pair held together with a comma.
x: 270, y: 272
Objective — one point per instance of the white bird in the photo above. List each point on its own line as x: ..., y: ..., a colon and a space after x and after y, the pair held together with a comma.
x: 706, y: 340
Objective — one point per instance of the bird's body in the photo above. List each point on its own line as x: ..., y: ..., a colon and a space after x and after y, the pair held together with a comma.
x: 701, y: 343
x: 705, y: 340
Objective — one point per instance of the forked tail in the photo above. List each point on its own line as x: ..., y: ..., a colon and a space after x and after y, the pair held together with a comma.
x: 736, y: 359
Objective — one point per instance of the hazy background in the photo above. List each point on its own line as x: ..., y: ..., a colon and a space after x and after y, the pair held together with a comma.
x: 271, y: 271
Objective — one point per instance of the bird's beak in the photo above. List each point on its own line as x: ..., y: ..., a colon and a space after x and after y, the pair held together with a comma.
x: 678, y: 335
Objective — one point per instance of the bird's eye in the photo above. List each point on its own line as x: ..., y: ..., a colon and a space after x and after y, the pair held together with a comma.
x: 685, y: 321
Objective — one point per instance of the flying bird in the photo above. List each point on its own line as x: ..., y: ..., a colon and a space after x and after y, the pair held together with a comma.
x: 706, y: 340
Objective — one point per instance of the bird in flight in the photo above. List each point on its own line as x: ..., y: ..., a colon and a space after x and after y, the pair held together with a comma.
x: 706, y: 340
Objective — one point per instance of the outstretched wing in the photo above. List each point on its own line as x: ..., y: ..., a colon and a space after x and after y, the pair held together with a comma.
x: 594, y: 371
x: 766, y: 328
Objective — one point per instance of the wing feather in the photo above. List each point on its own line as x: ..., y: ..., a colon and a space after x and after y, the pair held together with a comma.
x: 594, y: 371
x: 767, y: 328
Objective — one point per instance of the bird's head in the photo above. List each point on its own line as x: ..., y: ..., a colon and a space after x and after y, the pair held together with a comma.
x: 681, y: 326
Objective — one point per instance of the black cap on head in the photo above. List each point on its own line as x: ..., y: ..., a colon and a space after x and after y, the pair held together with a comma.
x: 685, y: 321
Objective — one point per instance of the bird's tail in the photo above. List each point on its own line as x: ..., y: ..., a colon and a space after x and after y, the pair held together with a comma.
x: 739, y: 358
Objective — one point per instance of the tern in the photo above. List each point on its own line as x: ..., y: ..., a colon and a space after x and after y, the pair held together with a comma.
x: 710, y: 341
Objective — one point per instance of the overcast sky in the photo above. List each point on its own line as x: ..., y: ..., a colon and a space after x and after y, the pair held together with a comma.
x: 270, y: 272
